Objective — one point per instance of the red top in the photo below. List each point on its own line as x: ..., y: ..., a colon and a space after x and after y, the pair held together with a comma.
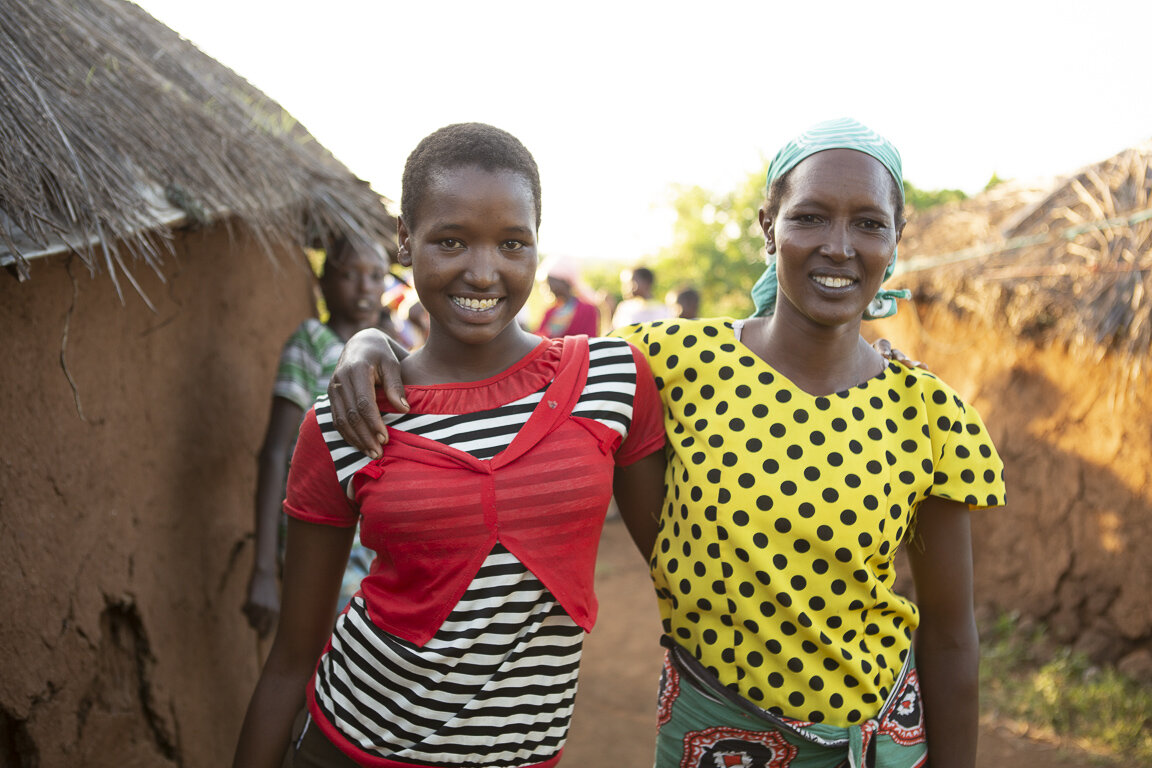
x: 570, y: 319
x: 433, y: 513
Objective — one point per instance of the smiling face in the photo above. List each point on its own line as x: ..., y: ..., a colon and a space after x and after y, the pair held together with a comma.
x: 473, y: 258
x: 833, y: 233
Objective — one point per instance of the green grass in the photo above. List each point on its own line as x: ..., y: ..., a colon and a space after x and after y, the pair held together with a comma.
x: 1026, y: 678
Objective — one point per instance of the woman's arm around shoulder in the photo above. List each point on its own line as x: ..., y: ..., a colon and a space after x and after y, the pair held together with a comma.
x: 947, y: 644
x: 370, y: 359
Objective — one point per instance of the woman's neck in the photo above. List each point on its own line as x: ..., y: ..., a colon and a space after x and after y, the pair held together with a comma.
x: 447, y: 361
x: 819, y: 360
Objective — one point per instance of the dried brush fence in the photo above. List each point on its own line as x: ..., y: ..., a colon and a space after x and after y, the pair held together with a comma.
x: 108, y: 118
x: 1074, y: 267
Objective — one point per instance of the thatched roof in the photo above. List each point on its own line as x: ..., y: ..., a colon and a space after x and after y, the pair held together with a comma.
x: 113, y: 130
x: 1073, y: 264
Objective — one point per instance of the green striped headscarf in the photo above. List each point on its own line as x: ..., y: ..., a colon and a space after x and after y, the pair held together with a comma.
x: 844, y: 133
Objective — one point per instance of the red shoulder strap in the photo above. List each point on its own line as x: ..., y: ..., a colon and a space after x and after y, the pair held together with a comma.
x: 558, y: 401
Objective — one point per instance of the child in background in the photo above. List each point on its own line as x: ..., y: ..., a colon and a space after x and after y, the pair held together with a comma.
x: 462, y: 646
x: 352, y: 282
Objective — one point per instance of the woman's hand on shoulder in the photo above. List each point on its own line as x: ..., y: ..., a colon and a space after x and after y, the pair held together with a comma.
x: 885, y: 348
x: 368, y: 361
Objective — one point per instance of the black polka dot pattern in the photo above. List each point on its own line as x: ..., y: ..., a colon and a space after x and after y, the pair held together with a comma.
x: 774, y: 556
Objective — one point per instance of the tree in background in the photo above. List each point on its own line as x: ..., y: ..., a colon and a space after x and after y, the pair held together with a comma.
x: 717, y: 246
x: 922, y: 199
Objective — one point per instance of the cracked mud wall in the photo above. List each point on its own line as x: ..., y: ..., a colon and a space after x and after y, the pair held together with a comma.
x: 124, y: 548
x: 1069, y: 549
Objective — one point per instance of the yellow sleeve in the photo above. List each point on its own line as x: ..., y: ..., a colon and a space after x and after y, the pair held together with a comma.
x: 968, y: 469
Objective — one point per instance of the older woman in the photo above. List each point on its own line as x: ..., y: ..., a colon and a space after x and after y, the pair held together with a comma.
x: 799, y: 461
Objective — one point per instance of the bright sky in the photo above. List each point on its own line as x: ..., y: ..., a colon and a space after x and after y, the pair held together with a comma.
x: 621, y: 100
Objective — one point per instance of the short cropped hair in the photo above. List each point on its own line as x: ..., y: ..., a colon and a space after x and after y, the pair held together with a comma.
x: 644, y: 275
x: 462, y: 145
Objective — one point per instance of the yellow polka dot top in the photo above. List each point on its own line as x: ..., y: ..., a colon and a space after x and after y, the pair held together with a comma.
x: 774, y: 560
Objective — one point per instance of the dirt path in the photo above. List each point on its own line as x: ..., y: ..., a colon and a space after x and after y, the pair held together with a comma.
x: 615, y: 718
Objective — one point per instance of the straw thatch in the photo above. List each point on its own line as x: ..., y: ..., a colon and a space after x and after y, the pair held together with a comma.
x: 1072, y: 265
x: 113, y: 130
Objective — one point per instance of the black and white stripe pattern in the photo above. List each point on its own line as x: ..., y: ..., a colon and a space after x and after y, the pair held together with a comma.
x: 607, y: 398
x: 496, y: 685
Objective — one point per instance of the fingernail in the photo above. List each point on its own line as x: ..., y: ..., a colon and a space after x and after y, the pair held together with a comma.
x: 404, y: 400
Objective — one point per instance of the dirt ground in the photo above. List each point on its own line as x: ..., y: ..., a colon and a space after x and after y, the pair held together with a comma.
x: 615, y: 720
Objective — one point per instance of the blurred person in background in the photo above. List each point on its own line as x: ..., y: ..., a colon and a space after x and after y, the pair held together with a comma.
x: 684, y: 302
x: 394, y: 316
x: 571, y: 313
x: 638, y: 306
x: 352, y: 284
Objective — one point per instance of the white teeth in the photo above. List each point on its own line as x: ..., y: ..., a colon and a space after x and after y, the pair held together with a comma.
x: 478, y: 305
x: 833, y: 282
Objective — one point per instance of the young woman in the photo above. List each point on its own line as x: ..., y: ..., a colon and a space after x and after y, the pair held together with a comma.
x: 462, y: 646
x: 799, y: 462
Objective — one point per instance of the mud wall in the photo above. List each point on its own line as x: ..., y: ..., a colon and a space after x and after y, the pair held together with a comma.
x: 128, y: 441
x: 1070, y: 548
